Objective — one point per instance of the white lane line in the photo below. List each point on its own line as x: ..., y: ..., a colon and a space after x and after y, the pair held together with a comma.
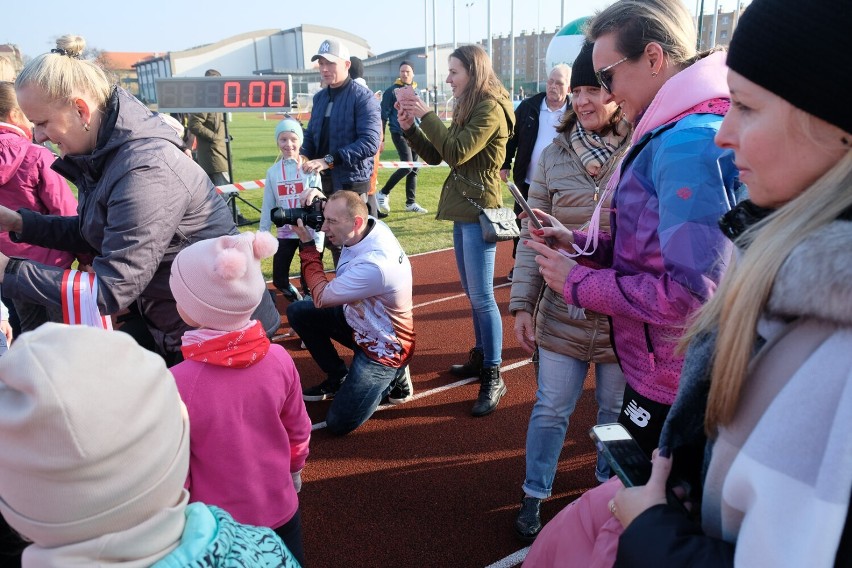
x: 511, y: 560
x: 456, y: 297
x: 436, y: 390
x: 321, y: 425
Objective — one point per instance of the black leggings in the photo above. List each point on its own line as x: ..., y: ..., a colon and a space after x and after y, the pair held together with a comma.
x: 281, y: 265
x: 291, y: 533
x: 643, y: 418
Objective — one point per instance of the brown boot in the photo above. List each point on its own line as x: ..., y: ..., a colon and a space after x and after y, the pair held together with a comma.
x: 491, y: 390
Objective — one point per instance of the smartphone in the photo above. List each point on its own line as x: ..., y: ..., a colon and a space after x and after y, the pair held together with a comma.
x: 516, y: 193
x: 623, y: 453
x: 406, y: 92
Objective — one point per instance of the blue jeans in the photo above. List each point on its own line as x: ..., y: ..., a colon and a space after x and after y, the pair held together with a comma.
x: 560, y: 384
x: 366, y: 381
x: 475, y: 261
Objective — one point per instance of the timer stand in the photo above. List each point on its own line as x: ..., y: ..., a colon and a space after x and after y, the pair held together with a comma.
x: 233, y: 196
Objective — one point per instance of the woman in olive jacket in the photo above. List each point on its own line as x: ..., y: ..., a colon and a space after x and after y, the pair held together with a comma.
x: 474, y: 146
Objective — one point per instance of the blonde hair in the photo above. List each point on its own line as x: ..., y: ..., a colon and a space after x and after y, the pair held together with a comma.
x: 62, y: 74
x: 482, y: 83
x: 636, y: 23
x: 742, y: 295
x: 8, y: 101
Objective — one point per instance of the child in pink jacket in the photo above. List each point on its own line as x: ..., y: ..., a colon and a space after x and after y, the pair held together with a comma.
x: 249, y: 428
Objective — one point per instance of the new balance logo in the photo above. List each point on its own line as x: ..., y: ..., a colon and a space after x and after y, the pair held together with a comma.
x: 637, y: 414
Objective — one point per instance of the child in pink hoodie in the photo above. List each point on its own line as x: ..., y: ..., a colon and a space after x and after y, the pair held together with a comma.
x: 249, y: 428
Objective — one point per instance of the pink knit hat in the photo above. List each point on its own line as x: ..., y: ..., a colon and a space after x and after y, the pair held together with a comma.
x: 218, y: 282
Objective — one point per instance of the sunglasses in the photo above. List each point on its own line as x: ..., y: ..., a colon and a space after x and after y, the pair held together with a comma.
x: 604, y: 75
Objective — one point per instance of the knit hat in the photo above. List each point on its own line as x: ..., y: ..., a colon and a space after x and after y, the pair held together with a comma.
x: 87, y: 448
x: 290, y: 125
x: 583, y: 70
x: 778, y: 42
x: 356, y: 67
x: 218, y: 282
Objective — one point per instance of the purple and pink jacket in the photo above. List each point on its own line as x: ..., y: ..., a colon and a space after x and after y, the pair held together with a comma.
x: 27, y: 182
x: 249, y: 432
x: 665, y: 254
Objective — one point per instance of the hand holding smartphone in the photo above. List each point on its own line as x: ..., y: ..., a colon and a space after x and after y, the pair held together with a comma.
x: 623, y: 454
x: 627, y: 459
x: 516, y: 193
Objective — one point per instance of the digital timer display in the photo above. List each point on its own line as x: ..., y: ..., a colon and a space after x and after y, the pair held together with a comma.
x: 223, y: 94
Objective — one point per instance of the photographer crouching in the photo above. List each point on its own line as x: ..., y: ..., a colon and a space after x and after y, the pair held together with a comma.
x: 367, y: 307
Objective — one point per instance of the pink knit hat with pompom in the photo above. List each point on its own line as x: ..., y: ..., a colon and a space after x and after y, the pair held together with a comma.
x: 218, y: 282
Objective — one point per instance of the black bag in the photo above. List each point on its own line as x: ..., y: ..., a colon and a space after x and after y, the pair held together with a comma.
x: 498, y: 224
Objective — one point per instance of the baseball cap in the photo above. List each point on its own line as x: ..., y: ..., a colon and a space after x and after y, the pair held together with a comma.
x: 332, y: 50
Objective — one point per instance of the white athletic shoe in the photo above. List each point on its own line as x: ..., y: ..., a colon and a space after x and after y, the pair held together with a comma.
x: 384, y: 202
x: 416, y: 208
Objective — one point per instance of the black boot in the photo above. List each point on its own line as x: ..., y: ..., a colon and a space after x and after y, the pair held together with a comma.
x: 528, y: 522
x: 472, y: 368
x: 491, y: 390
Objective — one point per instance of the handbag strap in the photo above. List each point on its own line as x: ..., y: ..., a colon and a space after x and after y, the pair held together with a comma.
x: 474, y: 203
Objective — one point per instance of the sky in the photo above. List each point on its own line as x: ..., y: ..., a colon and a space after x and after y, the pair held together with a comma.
x: 111, y: 25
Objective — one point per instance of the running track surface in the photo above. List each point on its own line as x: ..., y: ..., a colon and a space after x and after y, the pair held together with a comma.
x: 425, y: 483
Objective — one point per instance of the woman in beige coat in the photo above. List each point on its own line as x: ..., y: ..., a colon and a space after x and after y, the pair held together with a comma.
x: 571, y: 172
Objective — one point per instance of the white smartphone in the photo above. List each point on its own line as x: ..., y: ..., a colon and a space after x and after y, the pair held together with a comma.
x: 516, y: 193
x: 623, y: 453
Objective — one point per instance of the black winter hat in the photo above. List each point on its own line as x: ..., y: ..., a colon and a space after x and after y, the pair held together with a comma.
x: 583, y: 70
x: 783, y: 45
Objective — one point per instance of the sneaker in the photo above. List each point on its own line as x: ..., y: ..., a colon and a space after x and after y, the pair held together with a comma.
x: 323, y: 391
x: 416, y: 208
x: 403, y: 389
x: 382, y: 215
x: 510, y: 275
x: 291, y: 294
x: 384, y: 202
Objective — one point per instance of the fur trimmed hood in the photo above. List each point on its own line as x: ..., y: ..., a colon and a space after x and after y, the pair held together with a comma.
x: 816, y: 279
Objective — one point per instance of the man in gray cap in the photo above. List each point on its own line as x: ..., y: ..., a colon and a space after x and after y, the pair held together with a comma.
x: 344, y: 131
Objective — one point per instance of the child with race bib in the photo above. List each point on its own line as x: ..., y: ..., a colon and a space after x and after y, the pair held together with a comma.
x: 285, y: 182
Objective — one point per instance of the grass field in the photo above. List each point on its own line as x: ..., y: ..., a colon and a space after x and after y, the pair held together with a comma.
x: 253, y: 151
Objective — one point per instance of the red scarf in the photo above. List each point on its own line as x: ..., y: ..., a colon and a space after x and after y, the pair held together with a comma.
x: 237, y: 349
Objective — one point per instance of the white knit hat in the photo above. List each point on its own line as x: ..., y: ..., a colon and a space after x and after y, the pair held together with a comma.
x: 93, y: 436
x: 218, y: 282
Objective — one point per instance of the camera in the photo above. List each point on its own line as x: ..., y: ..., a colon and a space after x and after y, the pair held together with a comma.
x: 311, y: 216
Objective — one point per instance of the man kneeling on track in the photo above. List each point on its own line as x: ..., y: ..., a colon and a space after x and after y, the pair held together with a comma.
x: 367, y: 307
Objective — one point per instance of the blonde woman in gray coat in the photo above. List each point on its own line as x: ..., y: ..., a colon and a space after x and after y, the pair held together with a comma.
x: 568, y: 182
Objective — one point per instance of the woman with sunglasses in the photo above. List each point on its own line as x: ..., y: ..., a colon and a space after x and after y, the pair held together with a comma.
x: 665, y: 254
x: 766, y: 390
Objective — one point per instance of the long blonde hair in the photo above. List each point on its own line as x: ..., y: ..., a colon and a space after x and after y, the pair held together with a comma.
x: 742, y: 295
x: 482, y: 84
x: 62, y: 74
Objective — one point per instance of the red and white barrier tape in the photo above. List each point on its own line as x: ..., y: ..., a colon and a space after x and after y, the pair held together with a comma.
x: 260, y: 183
